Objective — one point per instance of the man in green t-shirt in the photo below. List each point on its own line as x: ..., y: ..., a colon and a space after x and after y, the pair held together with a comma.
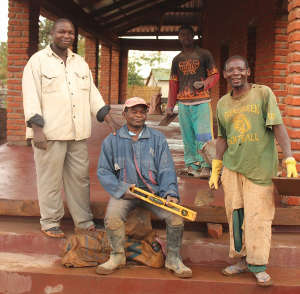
x: 248, y: 121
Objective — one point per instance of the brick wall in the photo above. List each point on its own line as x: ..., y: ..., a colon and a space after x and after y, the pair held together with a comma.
x: 105, y: 72
x: 123, y: 75
x: 90, y: 55
x: 18, y: 45
x: 280, y: 64
x: 227, y: 24
x: 2, y: 114
x: 292, y: 109
x: 109, y: 74
x: 115, y: 71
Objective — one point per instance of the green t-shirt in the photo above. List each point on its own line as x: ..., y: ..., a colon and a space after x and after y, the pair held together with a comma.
x: 246, y: 122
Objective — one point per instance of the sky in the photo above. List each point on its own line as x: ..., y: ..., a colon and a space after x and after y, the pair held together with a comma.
x: 3, y: 20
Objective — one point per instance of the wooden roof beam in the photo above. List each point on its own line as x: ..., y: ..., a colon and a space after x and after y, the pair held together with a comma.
x: 69, y: 9
x: 115, y: 5
x: 150, y: 44
x: 121, y: 12
x: 139, y: 17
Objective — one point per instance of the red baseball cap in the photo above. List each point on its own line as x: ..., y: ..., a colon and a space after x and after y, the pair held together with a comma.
x: 133, y: 102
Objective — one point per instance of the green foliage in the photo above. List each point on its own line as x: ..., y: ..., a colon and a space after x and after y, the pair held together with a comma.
x: 81, y: 46
x: 136, y: 62
x: 44, y: 32
x: 133, y: 76
x: 3, y: 62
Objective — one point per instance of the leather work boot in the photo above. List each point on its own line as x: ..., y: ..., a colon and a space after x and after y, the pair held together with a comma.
x: 173, y: 260
x: 117, y: 257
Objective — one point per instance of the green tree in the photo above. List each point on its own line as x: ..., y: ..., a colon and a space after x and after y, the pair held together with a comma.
x: 3, y: 62
x: 137, y: 61
x: 133, y: 76
x: 44, y: 32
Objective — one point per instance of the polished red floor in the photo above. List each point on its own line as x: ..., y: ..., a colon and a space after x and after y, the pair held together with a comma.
x: 17, y: 171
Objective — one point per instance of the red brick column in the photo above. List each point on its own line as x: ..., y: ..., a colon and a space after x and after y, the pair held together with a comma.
x: 123, y: 75
x: 280, y: 62
x: 105, y: 72
x: 91, y: 56
x: 109, y: 74
x: 115, y: 73
x: 22, y: 42
x: 292, y: 101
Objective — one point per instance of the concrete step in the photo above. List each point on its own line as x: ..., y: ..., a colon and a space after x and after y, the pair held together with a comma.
x: 23, y: 235
x: 36, y: 274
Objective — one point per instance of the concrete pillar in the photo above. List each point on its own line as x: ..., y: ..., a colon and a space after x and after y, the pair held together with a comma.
x: 22, y: 43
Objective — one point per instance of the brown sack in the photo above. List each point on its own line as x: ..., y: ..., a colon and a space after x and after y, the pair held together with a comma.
x: 147, y: 251
x: 83, y: 250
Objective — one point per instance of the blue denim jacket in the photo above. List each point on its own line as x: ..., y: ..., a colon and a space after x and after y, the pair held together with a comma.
x: 116, y: 166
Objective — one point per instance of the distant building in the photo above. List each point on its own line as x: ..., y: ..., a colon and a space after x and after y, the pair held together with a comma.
x: 159, y: 77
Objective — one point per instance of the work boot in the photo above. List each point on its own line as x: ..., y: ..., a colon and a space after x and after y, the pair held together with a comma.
x: 117, y: 257
x: 173, y: 260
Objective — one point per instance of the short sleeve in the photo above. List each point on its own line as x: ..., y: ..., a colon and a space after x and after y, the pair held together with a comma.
x: 221, y: 129
x: 272, y: 112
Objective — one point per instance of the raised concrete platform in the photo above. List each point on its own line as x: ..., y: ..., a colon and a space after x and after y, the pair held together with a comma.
x: 36, y: 274
x: 18, y: 196
x: 23, y: 235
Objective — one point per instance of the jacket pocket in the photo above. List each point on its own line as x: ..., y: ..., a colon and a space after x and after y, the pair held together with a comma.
x: 82, y: 80
x: 49, y: 82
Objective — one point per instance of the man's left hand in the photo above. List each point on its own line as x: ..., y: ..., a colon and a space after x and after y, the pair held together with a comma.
x: 171, y: 199
x: 198, y: 84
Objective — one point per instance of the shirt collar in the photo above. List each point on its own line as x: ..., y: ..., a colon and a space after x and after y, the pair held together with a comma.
x: 124, y: 133
x: 50, y: 52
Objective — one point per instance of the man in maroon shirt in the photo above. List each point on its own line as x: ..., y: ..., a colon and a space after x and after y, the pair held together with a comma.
x: 193, y: 73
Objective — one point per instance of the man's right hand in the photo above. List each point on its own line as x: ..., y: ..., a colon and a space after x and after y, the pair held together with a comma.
x: 169, y: 111
x: 39, y: 137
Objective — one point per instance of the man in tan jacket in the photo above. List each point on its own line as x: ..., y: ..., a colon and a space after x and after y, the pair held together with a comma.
x: 59, y: 97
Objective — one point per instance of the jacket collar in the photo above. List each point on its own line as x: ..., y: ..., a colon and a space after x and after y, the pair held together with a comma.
x: 123, y: 133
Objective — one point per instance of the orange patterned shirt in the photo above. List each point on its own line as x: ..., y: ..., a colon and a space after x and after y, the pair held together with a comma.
x: 186, y: 69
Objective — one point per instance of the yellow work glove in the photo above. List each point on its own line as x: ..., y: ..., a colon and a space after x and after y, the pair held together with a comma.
x: 215, y: 173
x: 291, y: 167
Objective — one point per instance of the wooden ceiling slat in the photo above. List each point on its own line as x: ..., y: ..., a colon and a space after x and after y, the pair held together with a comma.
x: 125, y: 23
x: 122, y: 11
x: 115, y: 5
x: 150, y: 44
x: 87, y: 3
x: 68, y: 9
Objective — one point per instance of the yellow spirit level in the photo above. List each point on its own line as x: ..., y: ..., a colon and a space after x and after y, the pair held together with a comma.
x: 164, y: 204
